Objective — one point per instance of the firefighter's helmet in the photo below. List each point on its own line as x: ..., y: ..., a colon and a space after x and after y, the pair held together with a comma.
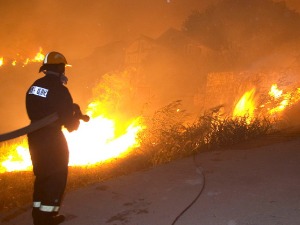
x: 53, y: 58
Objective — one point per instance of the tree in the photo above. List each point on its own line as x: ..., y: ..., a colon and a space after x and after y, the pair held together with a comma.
x: 244, y: 29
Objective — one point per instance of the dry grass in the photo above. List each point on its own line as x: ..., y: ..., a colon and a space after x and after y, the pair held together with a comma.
x: 167, y: 138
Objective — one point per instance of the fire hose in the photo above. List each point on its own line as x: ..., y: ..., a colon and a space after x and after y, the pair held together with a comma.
x: 199, y: 170
x: 40, y: 124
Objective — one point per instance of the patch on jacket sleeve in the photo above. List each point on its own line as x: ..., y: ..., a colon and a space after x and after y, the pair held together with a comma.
x: 39, y: 91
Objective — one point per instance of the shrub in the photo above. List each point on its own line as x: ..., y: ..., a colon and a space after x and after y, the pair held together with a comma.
x: 167, y: 137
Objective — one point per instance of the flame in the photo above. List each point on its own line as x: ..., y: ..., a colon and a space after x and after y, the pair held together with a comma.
x: 277, y: 102
x: 280, y: 99
x: 18, y: 161
x: 275, y: 92
x: 26, y: 62
x: 94, y: 142
x: 246, y: 105
x: 39, y: 57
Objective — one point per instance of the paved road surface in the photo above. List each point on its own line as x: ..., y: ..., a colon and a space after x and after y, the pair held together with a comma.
x: 256, y: 186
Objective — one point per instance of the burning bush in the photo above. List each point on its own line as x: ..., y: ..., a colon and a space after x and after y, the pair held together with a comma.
x: 162, y: 139
x: 227, y: 131
x: 168, y: 137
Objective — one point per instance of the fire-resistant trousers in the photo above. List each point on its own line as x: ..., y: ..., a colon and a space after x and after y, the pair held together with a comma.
x: 47, y: 197
x: 50, y: 156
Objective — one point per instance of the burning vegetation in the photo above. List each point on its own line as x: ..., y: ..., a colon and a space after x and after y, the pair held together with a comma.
x: 165, y: 136
x: 20, y: 60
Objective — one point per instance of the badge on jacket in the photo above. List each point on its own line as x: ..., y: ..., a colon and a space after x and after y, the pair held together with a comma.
x: 39, y: 91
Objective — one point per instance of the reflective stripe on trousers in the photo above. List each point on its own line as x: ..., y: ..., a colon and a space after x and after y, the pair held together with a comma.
x: 36, y: 204
x: 45, y: 208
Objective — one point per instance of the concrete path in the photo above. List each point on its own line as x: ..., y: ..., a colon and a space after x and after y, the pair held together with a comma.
x: 256, y: 186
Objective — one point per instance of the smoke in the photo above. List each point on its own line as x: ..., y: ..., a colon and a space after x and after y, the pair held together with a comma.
x: 291, y: 4
x: 79, y: 28
x: 76, y: 27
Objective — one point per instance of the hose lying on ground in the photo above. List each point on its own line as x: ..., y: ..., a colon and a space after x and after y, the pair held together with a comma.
x: 199, y: 170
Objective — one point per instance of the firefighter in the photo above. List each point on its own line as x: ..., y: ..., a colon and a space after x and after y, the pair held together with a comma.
x: 48, y: 147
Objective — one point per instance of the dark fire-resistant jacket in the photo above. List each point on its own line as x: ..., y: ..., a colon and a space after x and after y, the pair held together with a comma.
x: 48, y: 146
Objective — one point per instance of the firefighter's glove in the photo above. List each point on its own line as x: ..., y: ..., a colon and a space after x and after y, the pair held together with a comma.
x: 78, y: 114
x: 73, y: 125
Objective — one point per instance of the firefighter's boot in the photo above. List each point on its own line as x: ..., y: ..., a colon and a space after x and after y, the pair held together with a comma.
x: 35, y: 215
x: 57, y: 219
x: 42, y: 218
